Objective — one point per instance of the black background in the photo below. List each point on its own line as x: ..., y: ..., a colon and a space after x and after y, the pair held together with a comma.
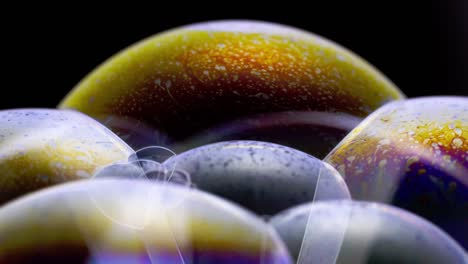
x: 46, y: 50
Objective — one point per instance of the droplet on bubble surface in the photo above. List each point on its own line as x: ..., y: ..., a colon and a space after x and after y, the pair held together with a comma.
x: 263, y: 177
x: 412, y: 154
x: 62, y: 224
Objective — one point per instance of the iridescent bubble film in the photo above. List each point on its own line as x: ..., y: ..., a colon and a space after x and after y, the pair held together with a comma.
x: 63, y: 224
x: 144, y: 165
x: 42, y: 147
x: 191, y: 78
x: 365, y: 233
x: 316, y: 133
x: 235, y: 142
x: 135, y: 133
x: 413, y: 154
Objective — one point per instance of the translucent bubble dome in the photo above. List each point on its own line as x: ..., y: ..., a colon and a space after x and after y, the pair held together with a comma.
x: 110, y: 221
x: 361, y: 232
x: 413, y: 154
x: 264, y: 177
x: 42, y: 147
x: 194, y: 77
x: 313, y: 132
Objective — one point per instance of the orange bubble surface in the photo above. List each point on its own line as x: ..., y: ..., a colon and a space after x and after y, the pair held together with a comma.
x: 193, y: 77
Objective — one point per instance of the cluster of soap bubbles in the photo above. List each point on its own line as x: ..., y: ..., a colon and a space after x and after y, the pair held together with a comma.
x: 146, y: 164
x: 149, y: 164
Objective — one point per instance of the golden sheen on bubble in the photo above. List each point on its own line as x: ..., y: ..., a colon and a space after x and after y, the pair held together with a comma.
x: 42, y: 147
x: 413, y: 154
x: 125, y: 221
x: 194, y: 77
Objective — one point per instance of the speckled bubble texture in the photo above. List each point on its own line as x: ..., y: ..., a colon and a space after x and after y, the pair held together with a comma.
x: 413, y: 154
x: 42, y: 147
x: 190, y: 78
x: 254, y: 174
x: 235, y: 142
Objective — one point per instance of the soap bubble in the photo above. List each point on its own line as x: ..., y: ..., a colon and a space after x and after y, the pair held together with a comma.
x: 412, y: 154
x: 119, y: 170
x: 44, y: 147
x: 62, y: 225
x: 325, y: 251
x: 363, y: 232
x: 137, y: 134
x: 145, y: 165
x: 154, y: 153
x: 157, y: 154
x: 313, y: 132
x: 261, y: 176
